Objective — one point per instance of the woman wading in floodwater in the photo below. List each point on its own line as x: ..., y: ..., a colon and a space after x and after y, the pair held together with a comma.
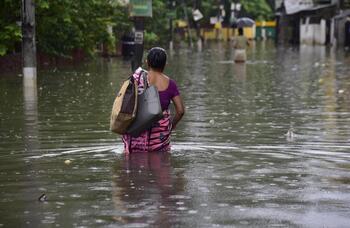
x: 157, y: 139
x: 240, y: 45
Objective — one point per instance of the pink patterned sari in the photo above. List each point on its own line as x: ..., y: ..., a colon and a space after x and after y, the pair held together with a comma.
x: 156, y: 139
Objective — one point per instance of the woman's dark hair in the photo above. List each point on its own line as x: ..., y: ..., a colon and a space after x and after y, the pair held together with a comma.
x: 156, y: 58
x: 240, y: 31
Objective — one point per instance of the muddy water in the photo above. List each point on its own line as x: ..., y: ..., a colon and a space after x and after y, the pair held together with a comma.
x: 233, y: 162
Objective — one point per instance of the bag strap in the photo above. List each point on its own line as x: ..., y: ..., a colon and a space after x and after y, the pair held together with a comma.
x: 145, y: 79
x: 143, y: 74
x: 132, y: 79
x: 130, y: 138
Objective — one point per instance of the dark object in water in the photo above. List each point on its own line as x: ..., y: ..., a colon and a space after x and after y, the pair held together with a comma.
x: 42, y: 198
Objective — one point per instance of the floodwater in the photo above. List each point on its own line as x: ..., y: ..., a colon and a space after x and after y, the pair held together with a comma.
x: 262, y: 144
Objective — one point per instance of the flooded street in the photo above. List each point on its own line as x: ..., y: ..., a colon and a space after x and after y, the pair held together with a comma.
x: 262, y: 144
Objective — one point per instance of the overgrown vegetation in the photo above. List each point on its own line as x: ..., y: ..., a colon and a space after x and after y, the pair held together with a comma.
x: 10, y: 32
x: 67, y: 25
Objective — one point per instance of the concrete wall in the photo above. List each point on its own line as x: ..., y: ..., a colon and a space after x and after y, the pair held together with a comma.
x: 313, y: 33
x: 340, y: 31
x: 339, y: 27
x: 320, y: 33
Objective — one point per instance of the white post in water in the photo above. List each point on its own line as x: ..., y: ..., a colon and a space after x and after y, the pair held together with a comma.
x: 28, y: 41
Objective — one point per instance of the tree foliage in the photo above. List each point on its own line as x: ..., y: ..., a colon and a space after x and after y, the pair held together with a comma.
x: 258, y: 9
x: 156, y: 28
x: 65, y: 25
x: 10, y: 32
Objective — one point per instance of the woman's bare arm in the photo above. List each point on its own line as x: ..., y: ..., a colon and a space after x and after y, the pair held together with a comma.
x: 179, y: 109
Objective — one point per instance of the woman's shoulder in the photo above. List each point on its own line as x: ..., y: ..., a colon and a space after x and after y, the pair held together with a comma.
x: 173, y: 87
x: 172, y: 83
x: 168, y: 78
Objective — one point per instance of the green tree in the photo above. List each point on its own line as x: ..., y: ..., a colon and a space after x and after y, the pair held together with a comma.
x: 10, y: 32
x: 157, y: 27
x: 121, y: 20
x: 66, y: 25
x: 63, y: 26
x: 259, y: 9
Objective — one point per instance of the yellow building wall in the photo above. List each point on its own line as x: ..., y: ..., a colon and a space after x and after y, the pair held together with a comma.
x: 226, y: 33
x: 266, y: 23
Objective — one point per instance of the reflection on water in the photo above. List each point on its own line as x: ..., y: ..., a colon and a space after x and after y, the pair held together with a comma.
x: 240, y: 71
x: 30, y: 97
x: 31, y: 140
x: 232, y: 162
x: 147, y: 190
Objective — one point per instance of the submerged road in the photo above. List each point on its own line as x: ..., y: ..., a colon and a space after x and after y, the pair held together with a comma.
x: 262, y: 144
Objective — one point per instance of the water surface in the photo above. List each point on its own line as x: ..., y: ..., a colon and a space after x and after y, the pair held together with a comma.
x: 232, y: 163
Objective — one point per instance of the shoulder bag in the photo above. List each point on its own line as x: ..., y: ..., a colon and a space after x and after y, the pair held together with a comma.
x: 124, y: 107
x: 149, y: 109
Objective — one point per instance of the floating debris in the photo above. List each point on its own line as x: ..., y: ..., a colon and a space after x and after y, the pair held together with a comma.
x: 290, y: 134
x: 192, y: 211
x: 42, y: 198
x: 67, y: 162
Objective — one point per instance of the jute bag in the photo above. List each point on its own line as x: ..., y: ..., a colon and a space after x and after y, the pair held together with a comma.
x: 149, y: 109
x: 124, y: 107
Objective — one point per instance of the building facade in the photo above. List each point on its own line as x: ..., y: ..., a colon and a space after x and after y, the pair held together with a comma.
x: 320, y: 22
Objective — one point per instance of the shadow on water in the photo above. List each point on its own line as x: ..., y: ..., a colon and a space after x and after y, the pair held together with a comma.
x: 265, y: 143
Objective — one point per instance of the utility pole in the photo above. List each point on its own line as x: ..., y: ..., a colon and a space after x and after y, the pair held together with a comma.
x: 196, y: 18
x: 30, y: 95
x: 171, y: 15
x: 188, y: 22
x: 139, y: 9
x: 28, y: 40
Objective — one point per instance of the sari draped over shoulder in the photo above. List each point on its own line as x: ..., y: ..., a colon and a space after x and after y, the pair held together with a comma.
x: 157, y: 138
